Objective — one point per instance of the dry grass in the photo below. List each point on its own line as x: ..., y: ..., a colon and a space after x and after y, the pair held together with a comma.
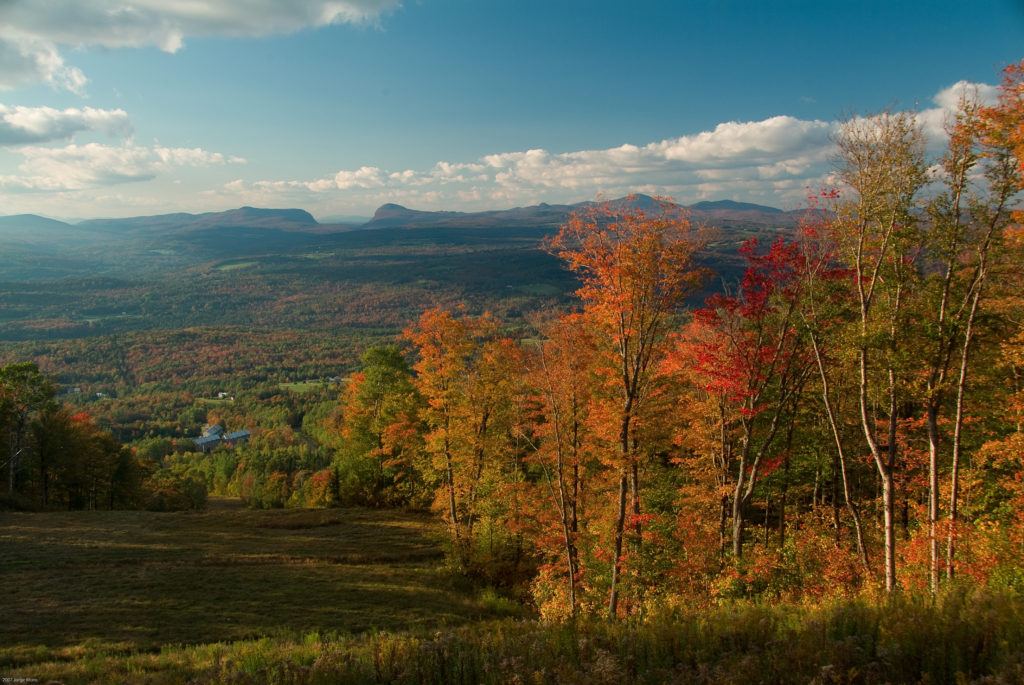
x: 967, y: 637
x: 82, y: 583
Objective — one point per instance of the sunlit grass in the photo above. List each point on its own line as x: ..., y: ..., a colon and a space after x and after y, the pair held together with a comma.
x: 82, y: 584
x: 235, y: 266
x: 972, y: 637
x: 360, y: 596
x: 303, y: 387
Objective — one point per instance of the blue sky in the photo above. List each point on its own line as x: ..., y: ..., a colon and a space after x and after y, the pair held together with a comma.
x: 123, y: 107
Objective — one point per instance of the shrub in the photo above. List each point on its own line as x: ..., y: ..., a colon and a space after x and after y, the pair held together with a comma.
x: 170, y: 491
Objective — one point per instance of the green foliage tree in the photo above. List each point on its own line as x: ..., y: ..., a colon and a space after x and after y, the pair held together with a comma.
x: 24, y: 392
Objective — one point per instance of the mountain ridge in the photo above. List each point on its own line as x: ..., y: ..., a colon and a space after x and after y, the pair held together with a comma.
x: 388, y: 215
x: 541, y: 215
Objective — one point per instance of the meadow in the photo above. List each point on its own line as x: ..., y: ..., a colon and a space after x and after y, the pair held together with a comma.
x: 231, y: 595
x: 80, y: 584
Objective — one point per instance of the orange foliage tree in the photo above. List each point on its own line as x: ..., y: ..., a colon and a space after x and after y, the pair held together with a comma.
x: 468, y: 376
x: 636, y: 266
x: 559, y: 373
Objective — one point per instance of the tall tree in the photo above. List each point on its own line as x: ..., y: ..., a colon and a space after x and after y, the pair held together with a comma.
x: 24, y: 391
x: 881, y: 162
x: 468, y: 376
x: 560, y: 373
x: 995, y: 137
x: 380, y: 400
x: 54, y: 438
x: 823, y: 308
x: 636, y: 267
x: 444, y: 346
x: 746, y: 350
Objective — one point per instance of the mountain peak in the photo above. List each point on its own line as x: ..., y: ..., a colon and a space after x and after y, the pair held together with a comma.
x: 30, y: 220
x: 248, y: 213
x: 391, y: 211
x: 733, y: 206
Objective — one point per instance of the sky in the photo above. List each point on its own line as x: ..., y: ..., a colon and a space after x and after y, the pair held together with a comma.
x: 130, y: 107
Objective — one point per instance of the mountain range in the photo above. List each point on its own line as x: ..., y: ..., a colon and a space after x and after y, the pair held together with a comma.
x: 35, y: 229
x: 712, y: 213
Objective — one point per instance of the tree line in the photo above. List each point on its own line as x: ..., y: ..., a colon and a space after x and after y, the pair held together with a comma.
x: 847, y: 416
x: 55, y: 457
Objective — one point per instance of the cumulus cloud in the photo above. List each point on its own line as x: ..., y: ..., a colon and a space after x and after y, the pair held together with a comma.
x: 32, y: 33
x: 32, y: 125
x: 78, y: 167
x: 363, y: 177
x: 773, y: 160
x: 934, y: 120
x: 949, y: 98
x: 748, y: 142
x: 27, y: 59
x: 740, y: 156
x: 772, y: 148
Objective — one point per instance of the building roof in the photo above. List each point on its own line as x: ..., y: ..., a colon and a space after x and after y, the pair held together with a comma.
x: 207, y: 440
x: 215, y: 429
x: 237, y: 435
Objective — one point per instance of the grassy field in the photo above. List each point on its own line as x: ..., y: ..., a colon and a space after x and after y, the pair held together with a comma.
x: 78, y: 584
x: 360, y: 596
x: 303, y: 387
x: 235, y: 266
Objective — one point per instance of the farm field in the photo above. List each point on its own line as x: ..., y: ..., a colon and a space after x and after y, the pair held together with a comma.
x: 85, y: 583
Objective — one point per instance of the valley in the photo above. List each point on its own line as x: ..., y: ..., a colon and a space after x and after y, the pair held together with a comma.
x: 240, y: 280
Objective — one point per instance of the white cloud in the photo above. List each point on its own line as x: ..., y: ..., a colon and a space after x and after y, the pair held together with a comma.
x: 30, y: 125
x: 363, y: 177
x: 735, y: 157
x: 32, y: 32
x: 934, y: 120
x: 78, y: 167
x: 195, y: 156
x: 27, y: 59
x: 775, y: 160
x: 745, y: 142
x: 949, y: 98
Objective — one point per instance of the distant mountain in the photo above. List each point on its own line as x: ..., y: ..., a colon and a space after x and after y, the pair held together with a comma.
x: 396, y: 216
x: 35, y: 229
x: 731, y: 214
x: 732, y: 206
x: 243, y: 217
x: 545, y: 215
x: 254, y: 217
x: 536, y: 216
x: 38, y: 248
x: 34, y: 221
x: 268, y: 227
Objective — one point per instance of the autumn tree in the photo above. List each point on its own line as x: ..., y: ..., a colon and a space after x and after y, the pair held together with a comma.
x: 468, y: 376
x: 965, y: 229
x: 379, y: 404
x: 745, y: 350
x: 636, y: 268
x: 992, y: 138
x: 823, y: 309
x: 881, y: 163
x: 53, y: 433
x: 559, y: 372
